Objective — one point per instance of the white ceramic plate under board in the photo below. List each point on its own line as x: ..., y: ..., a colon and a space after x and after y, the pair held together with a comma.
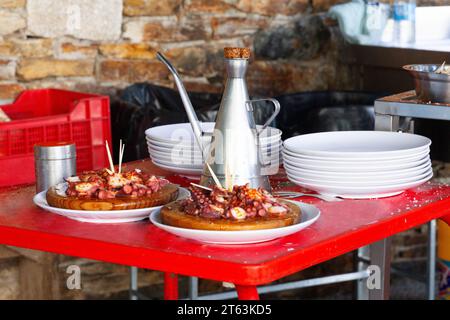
x: 310, y: 214
x: 110, y: 216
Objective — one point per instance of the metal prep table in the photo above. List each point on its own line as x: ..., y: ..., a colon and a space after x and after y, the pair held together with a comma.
x: 397, y: 113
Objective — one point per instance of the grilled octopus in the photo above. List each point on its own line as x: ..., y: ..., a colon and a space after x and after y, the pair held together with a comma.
x: 106, y: 185
x: 240, y: 203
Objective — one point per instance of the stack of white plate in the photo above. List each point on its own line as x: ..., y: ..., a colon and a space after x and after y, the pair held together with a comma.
x: 174, y: 148
x: 358, y: 164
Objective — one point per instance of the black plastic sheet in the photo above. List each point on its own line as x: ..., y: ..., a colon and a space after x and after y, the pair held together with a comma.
x: 142, y: 106
x: 320, y: 111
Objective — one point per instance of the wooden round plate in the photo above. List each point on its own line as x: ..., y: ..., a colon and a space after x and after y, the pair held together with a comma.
x: 172, y: 215
x: 167, y: 194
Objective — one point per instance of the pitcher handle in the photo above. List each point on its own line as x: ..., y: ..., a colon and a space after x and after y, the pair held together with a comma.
x: 277, y: 106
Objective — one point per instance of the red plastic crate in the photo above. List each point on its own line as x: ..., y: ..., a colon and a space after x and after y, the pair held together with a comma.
x: 52, y: 115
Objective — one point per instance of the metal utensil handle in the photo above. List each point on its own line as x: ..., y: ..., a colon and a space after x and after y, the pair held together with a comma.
x: 192, y: 116
x: 293, y: 194
x: 272, y: 117
x: 164, y: 60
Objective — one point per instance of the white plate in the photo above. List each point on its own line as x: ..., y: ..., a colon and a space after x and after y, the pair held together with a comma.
x: 368, y: 168
x: 183, y: 163
x: 177, y: 131
x: 347, y: 144
x: 374, y: 182
x: 309, y: 215
x: 178, y: 149
x: 194, y: 172
x: 188, y: 156
x: 180, y: 170
x: 354, y: 163
x: 183, y: 132
x: 182, y: 154
x: 197, y: 162
x: 191, y: 144
x: 177, y: 160
x: 361, y: 192
x: 297, y: 156
x: 171, y: 164
x: 192, y: 147
x: 357, y: 176
x: 110, y: 216
x: 206, y: 142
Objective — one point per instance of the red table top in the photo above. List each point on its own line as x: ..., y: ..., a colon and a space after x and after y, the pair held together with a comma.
x: 343, y: 227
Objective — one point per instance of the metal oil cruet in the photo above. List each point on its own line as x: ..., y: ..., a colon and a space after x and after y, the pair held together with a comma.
x: 234, y: 154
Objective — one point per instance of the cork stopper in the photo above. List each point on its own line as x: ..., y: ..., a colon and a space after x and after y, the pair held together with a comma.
x: 236, y: 53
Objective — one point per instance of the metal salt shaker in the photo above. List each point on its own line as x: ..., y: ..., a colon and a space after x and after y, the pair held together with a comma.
x: 54, y: 161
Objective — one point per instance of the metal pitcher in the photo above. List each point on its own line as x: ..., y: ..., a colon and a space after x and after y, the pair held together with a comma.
x: 234, y: 155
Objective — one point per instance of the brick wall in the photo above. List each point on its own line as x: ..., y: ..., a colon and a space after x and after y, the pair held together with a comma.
x: 103, y: 45
x: 433, y: 3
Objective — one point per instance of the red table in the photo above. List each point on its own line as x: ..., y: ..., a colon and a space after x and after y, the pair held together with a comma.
x: 343, y: 227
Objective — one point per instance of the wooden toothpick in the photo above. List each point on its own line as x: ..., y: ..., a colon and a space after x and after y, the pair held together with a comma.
x: 111, y: 164
x: 121, y: 151
x: 214, y: 176
x: 200, y: 186
x: 121, y: 158
x: 227, y: 177
x: 231, y: 182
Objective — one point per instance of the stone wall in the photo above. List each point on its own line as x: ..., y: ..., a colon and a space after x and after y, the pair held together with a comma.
x: 105, y: 45
x: 424, y: 3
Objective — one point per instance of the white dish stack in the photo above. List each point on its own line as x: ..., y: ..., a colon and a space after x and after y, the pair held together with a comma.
x: 358, y: 164
x: 174, y: 148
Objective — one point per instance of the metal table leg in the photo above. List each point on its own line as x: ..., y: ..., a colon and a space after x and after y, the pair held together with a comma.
x: 193, y: 288
x: 431, y: 266
x: 377, y: 258
x: 361, y: 262
x: 133, y: 283
x: 385, y: 122
x: 380, y: 258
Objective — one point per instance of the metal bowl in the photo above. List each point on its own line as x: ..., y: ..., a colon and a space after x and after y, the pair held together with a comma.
x: 430, y: 86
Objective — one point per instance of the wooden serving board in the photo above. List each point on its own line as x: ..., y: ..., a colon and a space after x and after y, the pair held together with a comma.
x: 167, y: 194
x: 172, y: 215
